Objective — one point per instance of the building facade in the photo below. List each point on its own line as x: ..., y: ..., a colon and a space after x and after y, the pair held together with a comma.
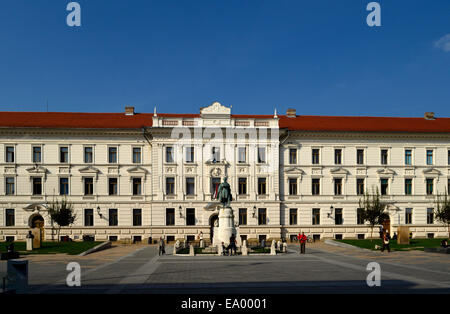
x: 136, y: 176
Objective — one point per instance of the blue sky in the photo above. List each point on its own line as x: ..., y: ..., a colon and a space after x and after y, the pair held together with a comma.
x: 317, y: 56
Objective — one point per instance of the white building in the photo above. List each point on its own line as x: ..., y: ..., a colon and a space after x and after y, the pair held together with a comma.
x: 130, y: 177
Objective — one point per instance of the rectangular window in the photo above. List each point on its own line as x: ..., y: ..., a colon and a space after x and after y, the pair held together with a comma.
x: 215, y: 182
x: 170, y: 186
x: 9, y: 182
x: 242, y: 155
x: 384, y: 156
x: 293, y: 156
x: 169, y: 154
x: 190, y: 154
x: 316, y: 216
x: 112, y: 186
x: 170, y: 216
x: 262, y: 216
x: 337, y: 186
x: 408, y: 157
x: 292, y: 186
x: 430, y: 216
x: 242, y: 186
x: 408, y: 186
x: 37, y: 186
x: 315, y: 156
x: 429, y: 157
x: 88, y: 155
x: 9, y: 154
x: 430, y: 186
x: 37, y: 156
x: 261, y: 155
x: 88, y: 186
x: 137, y: 217
x: 384, y: 186
x: 338, y: 219
x: 359, y: 216
x: 448, y: 157
x: 215, y: 154
x: 360, y: 156
x: 262, y: 186
x: 190, y: 186
x: 137, y: 186
x: 315, y: 187
x: 64, y: 155
x: 112, y: 155
x: 10, y: 219
x: 190, y: 216
x: 242, y: 216
x: 408, y: 216
x: 338, y: 156
x: 88, y: 217
x: 113, y: 220
x: 359, y: 186
x: 63, y: 186
x: 136, y: 155
x: 293, y: 216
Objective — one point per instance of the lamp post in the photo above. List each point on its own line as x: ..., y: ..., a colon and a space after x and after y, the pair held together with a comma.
x: 180, y: 211
x: 330, y: 214
x: 254, y: 212
x: 99, y: 213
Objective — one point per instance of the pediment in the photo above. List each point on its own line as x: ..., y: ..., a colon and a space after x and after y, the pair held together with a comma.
x: 386, y: 171
x: 339, y: 171
x: 137, y: 169
x: 37, y: 169
x: 215, y: 110
x: 89, y: 169
x: 296, y: 170
x: 432, y: 171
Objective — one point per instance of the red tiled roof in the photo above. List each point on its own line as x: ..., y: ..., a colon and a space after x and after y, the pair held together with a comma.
x: 302, y: 123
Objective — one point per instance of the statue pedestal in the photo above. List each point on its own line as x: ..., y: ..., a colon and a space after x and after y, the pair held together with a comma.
x: 29, y: 244
x: 226, y: 226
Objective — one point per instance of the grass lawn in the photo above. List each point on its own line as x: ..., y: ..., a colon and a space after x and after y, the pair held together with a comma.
x: 70, y: 248
x: 415, y: 244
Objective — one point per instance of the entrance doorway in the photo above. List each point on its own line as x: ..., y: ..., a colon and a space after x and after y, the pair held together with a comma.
x: 212, y: 224
x: 387, y: 225
x: 37, y: 221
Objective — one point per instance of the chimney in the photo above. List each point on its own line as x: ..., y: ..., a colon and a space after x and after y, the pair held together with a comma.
x: 129, y: 111
x: 429, y: 116
x: 291, y: 113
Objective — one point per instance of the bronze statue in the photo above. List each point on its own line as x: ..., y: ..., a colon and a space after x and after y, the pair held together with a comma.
x: 224, y: 193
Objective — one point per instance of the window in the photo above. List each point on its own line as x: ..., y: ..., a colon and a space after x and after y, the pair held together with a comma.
x: 37, y: 186
x: 169, y: 154
x: 137, y: 186
x: 338, y: 156
x: 190, y: 216
x: 88, y: 217
x: 137, y: 217
x: 429, y: 156
x: 408, y: 216
x: 63, y: 186
x: 293, y: 156
x: 293, y: 216
x: 112, y: 186
x: 215, y: 182
x: 408, y: 157
x: 64, y: 155
x: 242, y: 186
x: 113, y: 220
x: 190, y: 186
x: 170, y: 186
x: 170, y: 216
x: 430, y: 216
x: 430, y: 185
x: 215, y: 154
x: 10, y: 219
x: 360, y: 216
x: 242, y: 155
x: 360, y: 156
x: 315, y: 186
x: 9, y: 182
x: 242, y: 216
x: 136, y: 155
x: 262, y: 186
x: 448, y: 157
x: 359, y: 186
x: 88, y: 186
x: 37, y: 156
x: 384, y: 186
x: 315, y: 156
x: 112, y: 155
x: 262, y: 216
x: 88, y: 155
x: 292, y: 186
x: 261, y: 155
x: 408, y: 186
x: 338, y: 220
x: 190, y: 154
x: 9, y: 154
x: 384, y: 156
x: 448, y: 186
x: 316, y: 216
x: 337, y: 186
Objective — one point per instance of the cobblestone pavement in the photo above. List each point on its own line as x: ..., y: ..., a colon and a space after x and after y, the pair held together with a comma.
x: 323, y: 269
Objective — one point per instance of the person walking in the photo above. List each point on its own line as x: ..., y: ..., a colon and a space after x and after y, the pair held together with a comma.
x: 386, y: 240
x: 161, y: 246
x: 302, y: 239
x: 232, y: 246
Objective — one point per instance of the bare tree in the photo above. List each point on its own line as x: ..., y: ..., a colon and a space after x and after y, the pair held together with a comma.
x: 442, y: 211
x: 62, y: 213
x: 373, y: 209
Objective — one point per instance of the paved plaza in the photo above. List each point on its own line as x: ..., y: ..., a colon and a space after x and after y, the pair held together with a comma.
x: 323, y: 269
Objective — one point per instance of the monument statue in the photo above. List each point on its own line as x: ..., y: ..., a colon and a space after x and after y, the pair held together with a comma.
x: 224, y: 193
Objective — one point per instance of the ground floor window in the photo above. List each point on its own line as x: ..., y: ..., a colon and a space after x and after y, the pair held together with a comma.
x: 190, y: 216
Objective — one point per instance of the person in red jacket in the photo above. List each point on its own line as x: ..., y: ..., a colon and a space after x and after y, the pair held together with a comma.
x: 302, y: 239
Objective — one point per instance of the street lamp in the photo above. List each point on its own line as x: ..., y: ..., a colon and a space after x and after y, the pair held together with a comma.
x: 254, y: 212
x: 98, y: 212
x: 331, y: 212
x: 180, y: 211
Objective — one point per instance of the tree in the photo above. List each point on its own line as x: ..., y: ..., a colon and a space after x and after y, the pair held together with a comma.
x: 442, y: 211
x: 62, y: 213
x: 373, y: 209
